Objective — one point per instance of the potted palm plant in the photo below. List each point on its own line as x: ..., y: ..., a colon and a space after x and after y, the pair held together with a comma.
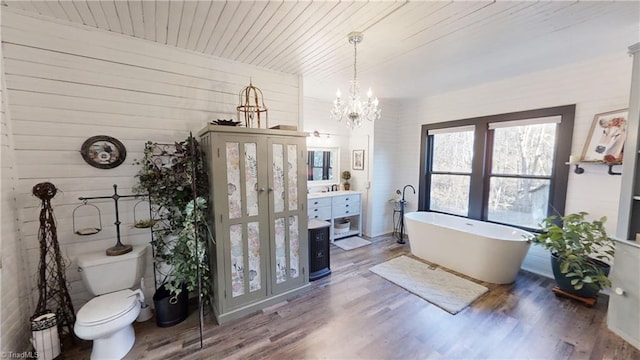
x: 580, y: 252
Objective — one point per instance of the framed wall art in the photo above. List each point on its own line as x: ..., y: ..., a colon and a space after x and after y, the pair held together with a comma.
x: 605, y: 141
x: 358, y: 160
x: 103, y: 152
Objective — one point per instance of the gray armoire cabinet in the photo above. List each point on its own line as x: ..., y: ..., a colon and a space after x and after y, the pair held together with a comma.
x: 259, y: 254
x: 623, y: 316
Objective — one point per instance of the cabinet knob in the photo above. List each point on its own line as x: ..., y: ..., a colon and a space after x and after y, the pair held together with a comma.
x: 347, y: 205
x: 315, y: 203
x: 619, y: 291
x: 261, y: 190
x: 347, y: 211
x: 315, y: 209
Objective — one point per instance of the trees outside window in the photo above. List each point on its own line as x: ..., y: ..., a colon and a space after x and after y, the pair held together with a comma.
x: 507, y: 168
x: 520, y: 178
x: 451, y: 171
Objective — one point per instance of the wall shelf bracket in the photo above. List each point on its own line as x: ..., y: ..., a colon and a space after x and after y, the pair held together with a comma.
x: 580, y: 170
x: 611, y: 172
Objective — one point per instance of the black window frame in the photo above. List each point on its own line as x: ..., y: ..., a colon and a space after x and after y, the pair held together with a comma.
x: 481, y: 164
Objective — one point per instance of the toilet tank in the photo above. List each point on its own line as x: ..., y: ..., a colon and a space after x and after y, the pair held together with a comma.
x: 103, y: 274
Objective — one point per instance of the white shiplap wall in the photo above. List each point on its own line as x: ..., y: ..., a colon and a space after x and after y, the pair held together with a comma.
x: 69, y: 82
x: 595, y: 86
x: 384, y: 181
x: 15, y: 312
x: 377, y: 182
x: 315, y: 117
x: 362, y: 139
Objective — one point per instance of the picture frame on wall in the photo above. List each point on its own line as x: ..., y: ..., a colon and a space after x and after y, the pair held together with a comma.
x: 357, y: 162
x: 103, y: 152
x: 605, y: 142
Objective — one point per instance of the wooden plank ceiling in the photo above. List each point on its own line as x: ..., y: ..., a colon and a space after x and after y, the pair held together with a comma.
x: 410, y: 48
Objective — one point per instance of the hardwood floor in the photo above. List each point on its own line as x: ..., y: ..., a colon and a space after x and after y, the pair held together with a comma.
x: 355, y: 314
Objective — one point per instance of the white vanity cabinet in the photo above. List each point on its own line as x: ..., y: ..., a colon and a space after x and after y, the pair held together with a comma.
x: 335, y: 206
x: 319, y: 208
x: 345, y: 205
x: 258, y: 216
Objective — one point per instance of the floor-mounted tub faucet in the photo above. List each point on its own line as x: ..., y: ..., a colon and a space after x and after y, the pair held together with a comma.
x: 405, y: 188
x: 403, y: 202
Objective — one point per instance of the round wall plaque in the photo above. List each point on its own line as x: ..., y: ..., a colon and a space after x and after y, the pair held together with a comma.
x: 103, y: 152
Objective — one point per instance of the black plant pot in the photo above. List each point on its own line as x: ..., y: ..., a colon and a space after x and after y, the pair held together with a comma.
x: 170, y: 310
x: 564, y: 283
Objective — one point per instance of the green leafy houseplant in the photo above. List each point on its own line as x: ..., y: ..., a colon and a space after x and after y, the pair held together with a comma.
x: 166, y: 174
x: 189, y: 253
x: 580, y: 246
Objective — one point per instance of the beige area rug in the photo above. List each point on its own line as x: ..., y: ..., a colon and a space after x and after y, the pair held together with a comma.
x: 445, y: 290
x: 351, y: 243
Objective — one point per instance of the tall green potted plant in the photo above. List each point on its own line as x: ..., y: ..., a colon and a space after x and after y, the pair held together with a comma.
x: 166, y: 174
x: 579, y: 249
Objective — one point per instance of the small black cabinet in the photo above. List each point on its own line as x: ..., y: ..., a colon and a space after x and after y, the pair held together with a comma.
x: 318, y: 249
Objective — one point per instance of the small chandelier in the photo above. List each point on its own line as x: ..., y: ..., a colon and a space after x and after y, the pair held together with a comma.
x: 354, y: 110
x: 252, y: 106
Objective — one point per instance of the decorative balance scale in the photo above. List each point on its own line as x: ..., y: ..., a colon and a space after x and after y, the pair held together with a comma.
x: 119, y: 248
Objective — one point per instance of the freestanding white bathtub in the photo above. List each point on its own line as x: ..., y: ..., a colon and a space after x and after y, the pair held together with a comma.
x: 481, y: 250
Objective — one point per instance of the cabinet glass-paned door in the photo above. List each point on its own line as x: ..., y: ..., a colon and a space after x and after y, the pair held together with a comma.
x: 294, y: 247
x: 251, y: 274
x: 245, y: 264
x: 285, y: 174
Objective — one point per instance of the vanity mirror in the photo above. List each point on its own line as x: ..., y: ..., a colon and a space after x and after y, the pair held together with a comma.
x: 323, y: 165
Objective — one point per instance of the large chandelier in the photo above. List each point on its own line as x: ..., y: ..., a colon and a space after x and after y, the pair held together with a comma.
x: 354, y: 110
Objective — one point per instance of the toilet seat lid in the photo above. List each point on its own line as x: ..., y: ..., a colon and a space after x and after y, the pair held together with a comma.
x: 106, y: 307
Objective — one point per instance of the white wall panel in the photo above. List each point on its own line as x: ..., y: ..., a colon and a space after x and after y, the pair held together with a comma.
x: 68, y: 82
x: 316, y: 118
x: 384, y: 181
x: 379, y: 142
x: 14, y: 316
x: 375, y: 181
x: 362, y: 139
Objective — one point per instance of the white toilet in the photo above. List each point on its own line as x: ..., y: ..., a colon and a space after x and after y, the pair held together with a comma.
x: 107, y: 318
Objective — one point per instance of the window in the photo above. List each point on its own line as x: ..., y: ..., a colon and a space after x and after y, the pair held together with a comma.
x: 521, y: 169
x: 451, y: 170
x: 505, y: 168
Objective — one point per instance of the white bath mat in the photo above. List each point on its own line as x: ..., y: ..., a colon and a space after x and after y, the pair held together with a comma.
x: 445, y: 290
x: 351, y: 243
